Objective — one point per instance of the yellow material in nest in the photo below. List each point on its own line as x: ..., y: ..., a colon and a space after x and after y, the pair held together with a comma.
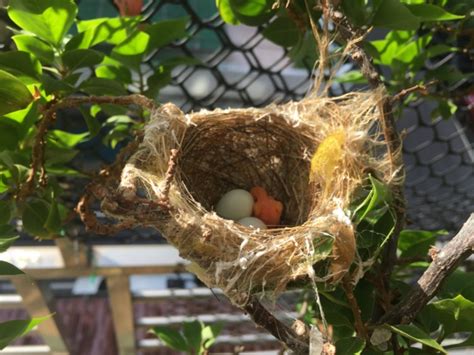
x: 270, y: 147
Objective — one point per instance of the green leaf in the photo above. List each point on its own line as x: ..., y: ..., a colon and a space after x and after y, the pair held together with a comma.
x: 14, y: 95
x: 248, y: 7
x: 392, y: 14
x: 8, y: 235
x: 171, y: 338
x: 53, y: 222
x: 135, y: 44
x: 25, y: 118
x: 9, y: 135
x: 22, y: 65
x: 429, y: 12
x: 48, y: 19
x: 55, y: 86
x: 375, y: 204
x: 416, y: 242
x: 81, y: 58
x: 5, y: 211
x: 40, y: 49
x: 458, y: 283
x: 92, y: 123
x: 283, y: 31
x: 102, y: 86
x: 9, y: 269
x: 347, y: 346
x: 210, y: 333
x: 34, y: 217
x: 352, y: 76
x: 226, y: 12
x: 164, y: 32
x: 6, y: 243
x: 192, y: 332
x: 415, y: 334
x: 456, y: 314
x: 117, y: 72
x: 111, y: 30
x: 356, y: 11
x: 157, y: 81
x: 173, y: 62
x: 64, y: 139
x: 13, y: 329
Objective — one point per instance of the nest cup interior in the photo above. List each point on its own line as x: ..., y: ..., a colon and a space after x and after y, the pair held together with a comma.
x: 236, y: 150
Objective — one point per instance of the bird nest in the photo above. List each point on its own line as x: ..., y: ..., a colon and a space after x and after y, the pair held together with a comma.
x: 314, y: 156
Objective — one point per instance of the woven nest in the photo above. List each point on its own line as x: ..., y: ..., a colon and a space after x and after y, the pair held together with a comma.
x: 314, y: 156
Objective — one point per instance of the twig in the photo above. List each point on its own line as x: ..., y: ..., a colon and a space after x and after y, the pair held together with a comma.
x: 356, y: 312
x: 49, y: 115
x: 422, y: 88
x: 279, y: 330
x: 453, y: 253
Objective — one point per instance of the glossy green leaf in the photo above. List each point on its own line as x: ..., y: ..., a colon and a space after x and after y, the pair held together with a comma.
x: 64, y: 139
x: 416, y: 242
x: 6, y: 208
x: 283, y: 31
x: 102, y: 86
x: 21, y: 65
x: 164, y: 32
x: 14, y: 95
x: 210, y: 333
x: 25, y: 118
x: 249, y: 7
x: 226, y: 13
x: 48, y: 19
x: 40, y: 49
x: 115, y: 71
x: 456, y: 314
x: 417, y: 335
x: 81, y: 58
x: 35, y: 216
x: 192, y: 333
x: 171, y: 338
x: 55, y: 86
x: 9, y: 269
x: 111, y: 30
x: 135, y: 44
x: 13, y: 329
x: 392, y: 14
x: 347, y: 346
x: 430, y: 12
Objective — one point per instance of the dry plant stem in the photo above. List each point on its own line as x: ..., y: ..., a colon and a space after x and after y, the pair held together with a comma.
x: 356, y: 312
x: 423, y: 89
x: 265, y: 319
x: 49, y: 115
x: 453, y: 253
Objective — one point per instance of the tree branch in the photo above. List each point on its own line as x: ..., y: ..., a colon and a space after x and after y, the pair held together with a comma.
x: 453, y: 253
x: 265, y: 319
x: 49, y: 116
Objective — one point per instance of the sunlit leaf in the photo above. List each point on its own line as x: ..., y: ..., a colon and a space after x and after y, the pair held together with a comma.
x: 32, y: 44
x: 430, y: 12
x: 171, y: 338
x: 417, y: 335
x: 13, y: 329
x: 14, y: 95
x: 226, y: 13
x: 48, y: 19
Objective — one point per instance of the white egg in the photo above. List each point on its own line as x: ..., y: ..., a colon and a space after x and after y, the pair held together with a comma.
x: 252, y: 222
x: 235, y: 204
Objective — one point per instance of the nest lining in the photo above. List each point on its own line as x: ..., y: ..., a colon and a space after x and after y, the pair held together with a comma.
x: 271, y: 147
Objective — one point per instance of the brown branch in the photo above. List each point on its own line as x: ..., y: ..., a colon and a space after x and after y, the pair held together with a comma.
x: 265, y: 319
x: 49, y: 115
x: 453, y: 253
x: 356, y: 312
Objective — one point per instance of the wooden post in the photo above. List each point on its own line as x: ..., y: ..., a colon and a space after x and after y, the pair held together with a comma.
x: 120, y: 298
x: 38, y: 301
